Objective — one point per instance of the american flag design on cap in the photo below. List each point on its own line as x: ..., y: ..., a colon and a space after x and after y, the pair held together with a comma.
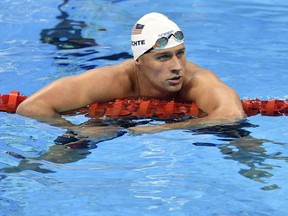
x: 137, y: 29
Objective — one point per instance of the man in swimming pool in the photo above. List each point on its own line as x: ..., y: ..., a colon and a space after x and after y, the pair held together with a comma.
x: 159, y: 70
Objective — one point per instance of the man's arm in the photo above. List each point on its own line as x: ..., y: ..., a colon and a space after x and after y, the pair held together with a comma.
x: 72, y: 92
x: 214, y: 97
x: 221, y: 103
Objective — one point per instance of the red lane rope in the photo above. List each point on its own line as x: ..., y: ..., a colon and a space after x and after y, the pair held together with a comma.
x: 9, y: 103
x: 151, y: 107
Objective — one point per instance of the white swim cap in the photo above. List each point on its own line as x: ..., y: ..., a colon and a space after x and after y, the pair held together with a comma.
x: 149, y: 29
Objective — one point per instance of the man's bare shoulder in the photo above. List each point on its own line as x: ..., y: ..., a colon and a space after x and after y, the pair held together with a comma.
x: 125, y: 70
x: 195, y: 73
x: 127, y: 66
x: 197, y: 79
x: 106, y: 83
x: 118, y: 73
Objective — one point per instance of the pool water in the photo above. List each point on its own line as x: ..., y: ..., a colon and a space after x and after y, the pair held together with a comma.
x: 236, y: 169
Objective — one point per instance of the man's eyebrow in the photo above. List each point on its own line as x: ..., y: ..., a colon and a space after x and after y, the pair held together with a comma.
x: 182, y: 49
x: 163, y: 53
x: 167, y: 52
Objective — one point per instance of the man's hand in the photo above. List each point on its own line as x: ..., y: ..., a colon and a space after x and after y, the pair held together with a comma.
x: 192, y: 123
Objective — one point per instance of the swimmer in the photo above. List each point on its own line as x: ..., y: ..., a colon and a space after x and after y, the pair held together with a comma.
x: 159, y: 70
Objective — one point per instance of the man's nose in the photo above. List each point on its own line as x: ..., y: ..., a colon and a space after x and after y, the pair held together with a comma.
x: 176, y: 64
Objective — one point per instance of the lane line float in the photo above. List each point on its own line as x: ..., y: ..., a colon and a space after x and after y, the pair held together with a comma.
x: 142, y: 107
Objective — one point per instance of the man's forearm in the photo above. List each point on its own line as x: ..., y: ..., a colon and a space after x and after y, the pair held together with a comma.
x: 50, y: 117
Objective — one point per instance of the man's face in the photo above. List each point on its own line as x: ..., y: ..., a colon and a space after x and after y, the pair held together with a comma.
x: 164, y: 69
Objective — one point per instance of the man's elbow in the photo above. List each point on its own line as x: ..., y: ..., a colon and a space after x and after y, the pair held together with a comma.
x: 35, y: 109
x: 28, y: 109
x: 222, y: 114
x: 23, y: 109
x: 237, y: 115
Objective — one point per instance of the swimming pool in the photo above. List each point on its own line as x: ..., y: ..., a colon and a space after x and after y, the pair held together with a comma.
x: 224, y: 170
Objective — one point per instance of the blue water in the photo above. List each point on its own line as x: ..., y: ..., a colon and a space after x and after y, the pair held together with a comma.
x: 224, y: 170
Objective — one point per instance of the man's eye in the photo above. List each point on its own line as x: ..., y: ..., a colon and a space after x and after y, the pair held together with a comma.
x: 180, y: 53
x: 163, y: 57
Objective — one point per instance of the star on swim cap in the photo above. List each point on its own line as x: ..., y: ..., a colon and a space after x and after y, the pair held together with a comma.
x: 149, y: 29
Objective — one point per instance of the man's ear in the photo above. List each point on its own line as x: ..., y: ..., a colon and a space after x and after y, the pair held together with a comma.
x: 137, y: 62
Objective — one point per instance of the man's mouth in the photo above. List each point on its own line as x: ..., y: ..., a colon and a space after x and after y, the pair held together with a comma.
x: 175, y: 79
